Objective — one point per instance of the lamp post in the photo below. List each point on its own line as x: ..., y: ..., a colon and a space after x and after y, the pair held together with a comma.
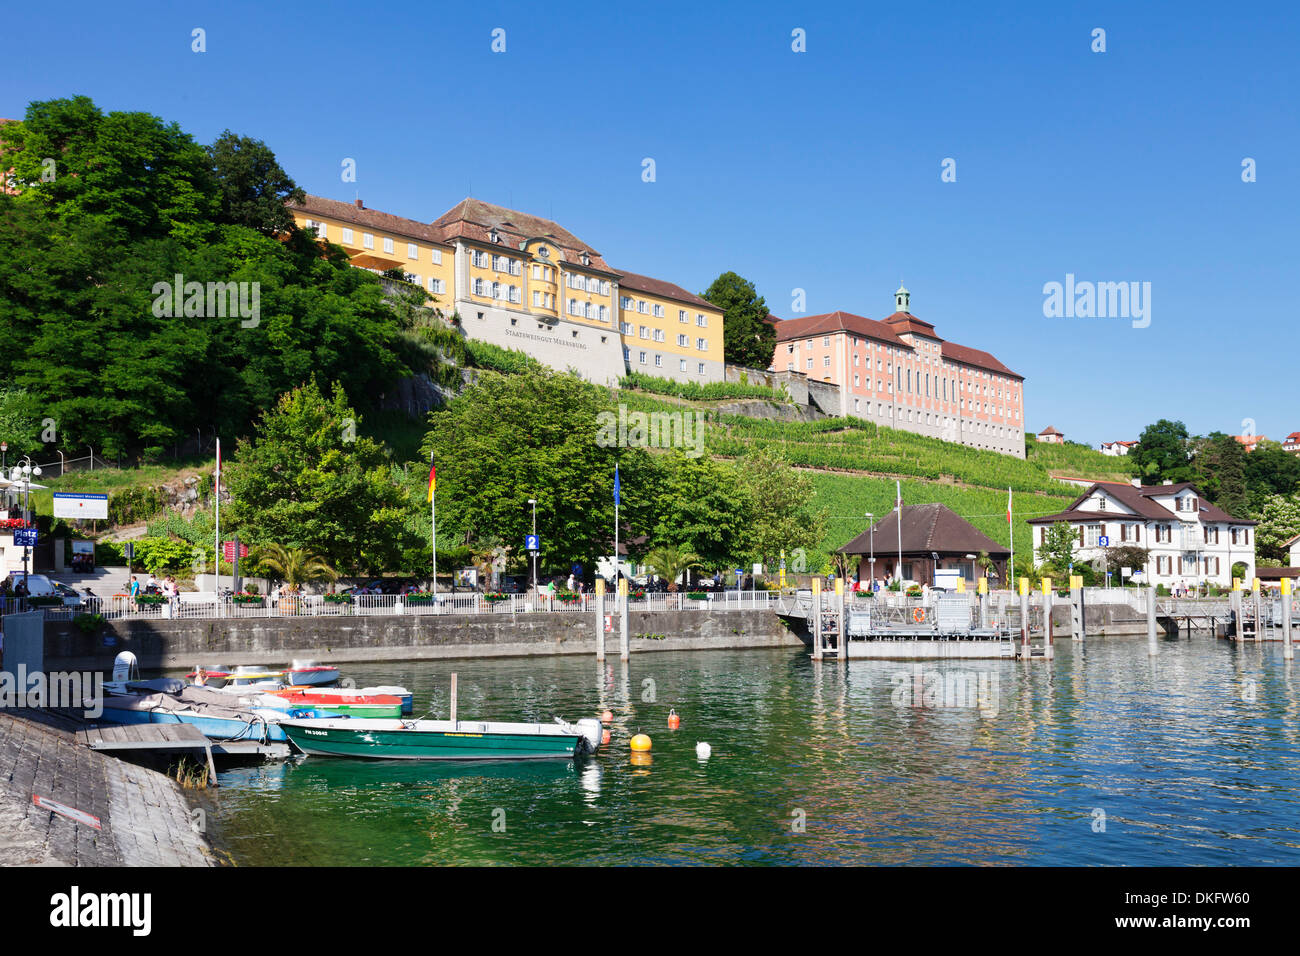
x: 4, y: 451
x: 533, y: 502
x: 22, y: 474
x: 871, y: 541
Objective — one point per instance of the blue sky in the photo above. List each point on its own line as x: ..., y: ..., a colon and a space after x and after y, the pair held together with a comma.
x: 817, y: 170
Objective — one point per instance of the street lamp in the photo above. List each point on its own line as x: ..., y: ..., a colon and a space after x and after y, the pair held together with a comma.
x: 533, y: 502
x: 4, y: 450
x: 22, y: 475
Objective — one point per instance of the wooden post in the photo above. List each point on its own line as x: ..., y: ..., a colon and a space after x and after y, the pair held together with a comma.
x: 1024, y: 618
x: 1153, y: 647
x: 1259, y: 612
x: 984, y: 602
x: 1047, y: 619
x: 1239, y: 633
x: 454, y: 722
x: 817, y: 618
x: 624, y: 647
x: 1076, y: 607
x: 1288, y: 652
x: 600, y: 618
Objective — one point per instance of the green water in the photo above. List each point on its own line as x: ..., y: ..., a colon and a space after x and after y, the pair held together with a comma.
x: 1102, y: 757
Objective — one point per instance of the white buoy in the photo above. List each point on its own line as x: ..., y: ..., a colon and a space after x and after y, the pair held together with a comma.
x: 703, y: 750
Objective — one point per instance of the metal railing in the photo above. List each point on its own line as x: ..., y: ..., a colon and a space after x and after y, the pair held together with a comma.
x: 191, y: 605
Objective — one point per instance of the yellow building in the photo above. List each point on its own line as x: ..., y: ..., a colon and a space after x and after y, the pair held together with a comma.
x: 527, y: 283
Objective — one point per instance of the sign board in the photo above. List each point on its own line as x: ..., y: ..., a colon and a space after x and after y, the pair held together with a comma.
x: 1126, y: 572
x: 24, y: 537
x: 63, y: 810
x: 83, y: 556
x: 740, y: 572
x: 228, y: 551
x: 467, y: 578
x: 1104, y: 541
x: 69, y: 504
x: 758, y: 569
x: 532, y: 542
x: 609, y: 623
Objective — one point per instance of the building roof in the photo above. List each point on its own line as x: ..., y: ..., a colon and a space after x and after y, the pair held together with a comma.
x: 475, y: 220
x: 977, y: 357
x: 1049, y: 430
x: 1126, y: 443
x: 810, y: 325
x: 926, y: 528
x: 356, y: 213
x: 1140, y: 502
x: 665, y: 290
x: 907, y: 322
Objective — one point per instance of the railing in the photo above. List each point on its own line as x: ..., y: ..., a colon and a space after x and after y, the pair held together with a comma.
x: 205, y: 605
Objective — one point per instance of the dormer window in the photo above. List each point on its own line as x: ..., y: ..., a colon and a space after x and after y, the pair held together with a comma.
x: 495, y: 236
x: 586, y: 259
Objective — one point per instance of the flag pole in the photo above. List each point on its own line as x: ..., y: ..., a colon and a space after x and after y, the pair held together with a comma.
x: 616, y: 497
x: 898, y: 486
x: 1011, y: 538
x: 433, y: 524
x: 216, y: 567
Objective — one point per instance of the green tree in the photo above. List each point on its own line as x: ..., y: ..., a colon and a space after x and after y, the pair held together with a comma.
x: 748, y: 338
x: 20, y: 421
x: 670, y: 563
x: 782, y: 498
x: 1219, y: 464
x: 1057, y: 549
x: 1279, y: 522
x: 252, y: 186
x: 1270, y: 471
x: 1162, y: 453
x: 534, y: 434
x: 1126, y: 556
x: 309, y: 480
x: 294, y: 566
x: 704, y: 507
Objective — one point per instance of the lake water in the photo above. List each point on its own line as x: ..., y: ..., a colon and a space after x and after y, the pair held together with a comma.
x: 1104, y: 756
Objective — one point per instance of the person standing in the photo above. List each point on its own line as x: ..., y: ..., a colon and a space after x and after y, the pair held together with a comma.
x: 135, y: 586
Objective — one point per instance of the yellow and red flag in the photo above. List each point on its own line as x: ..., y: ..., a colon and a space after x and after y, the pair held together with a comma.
x: 432, y: 478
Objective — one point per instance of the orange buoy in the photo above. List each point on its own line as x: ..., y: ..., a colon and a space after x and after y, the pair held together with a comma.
x: 604, y: 738
x: 640, y: 743
x: 606, y: 717
x: 673, y: 720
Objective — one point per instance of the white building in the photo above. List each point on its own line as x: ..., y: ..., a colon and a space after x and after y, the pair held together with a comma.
x: 1189, y: 539
x: 1114, y: 448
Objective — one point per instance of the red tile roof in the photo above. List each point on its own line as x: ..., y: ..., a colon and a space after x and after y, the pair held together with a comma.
x: 1049, y: 430
x: 926, y: 528
x: 811, y: 325
x: 665, y: 290
x: 370, y: 218
x: 475, y: 219
x: 978, y: 358
x: 1139, y: 500
x: 907, y: 322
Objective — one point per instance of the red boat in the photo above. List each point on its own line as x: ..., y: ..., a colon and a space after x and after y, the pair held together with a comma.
x: 343, y: 701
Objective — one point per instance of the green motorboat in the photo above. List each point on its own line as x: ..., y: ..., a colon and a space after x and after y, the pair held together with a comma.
x: 376, y: 739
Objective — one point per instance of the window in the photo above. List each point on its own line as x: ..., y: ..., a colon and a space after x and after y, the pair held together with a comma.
x: 642, y: 358
x: 479, y: 258
x: 826, y: 340
x: 702, y: 320
x: 537, y: 271
x: 659, y: 361
x: 625, y: 328
x: 412, y: 251
x: 496, y: 290
x: 627, y: 354
x: 347, y: 236
x: 603, y: 313
x: 826, y: 361
x: 388, y: 245
x: 659, y: 335
x: 516, y: 267
x: 701, y: 368
x: 659, y: 311
x: 643, y: 307
x: 810, y: 364
x: 702, y: 344
x: 478, y: 286
x: 367, y: 240
x: 537, y: 299
x: 684, y: 341
x: 625, y: 302
x: 515, y: 294
x: 438, y: 286
x: 643, y: 332
x: 1094, y: 535
x: 436, y: 257
x: 681, y: 365
x: 682, y: 317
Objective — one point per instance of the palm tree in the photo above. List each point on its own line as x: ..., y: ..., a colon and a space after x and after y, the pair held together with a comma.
x: 669, y: 561
x: 489, y: 554
x: 294, y: 566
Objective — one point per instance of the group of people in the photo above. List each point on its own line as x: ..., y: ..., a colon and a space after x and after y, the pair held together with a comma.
x: 168, y: 587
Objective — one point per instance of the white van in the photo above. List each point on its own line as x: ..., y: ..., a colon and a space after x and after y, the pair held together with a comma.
x: 39, y: 585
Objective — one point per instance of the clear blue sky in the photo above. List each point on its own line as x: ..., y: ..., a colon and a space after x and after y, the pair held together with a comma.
x: 816, y: 170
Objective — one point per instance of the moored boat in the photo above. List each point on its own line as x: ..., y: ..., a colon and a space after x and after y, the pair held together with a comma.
x: 310, y: 674
x: 374, y: 739
x: 352, y: 703
x: 217, y: 714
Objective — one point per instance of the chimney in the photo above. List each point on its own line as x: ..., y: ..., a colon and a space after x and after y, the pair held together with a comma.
x: 359, y: 204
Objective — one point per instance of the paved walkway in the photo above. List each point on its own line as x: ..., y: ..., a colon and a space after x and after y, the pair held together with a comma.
x: 144, y: 818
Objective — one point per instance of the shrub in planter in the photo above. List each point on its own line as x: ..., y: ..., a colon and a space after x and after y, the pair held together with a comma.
x: 149, y: 599
x: 418, y: 597
x: 492, y: 597
x: 637, y: 594
x: 568, y: 597
x: 248, y: 600
x: 696, y: 596
x: 45, y: 601
x: 338, y: 598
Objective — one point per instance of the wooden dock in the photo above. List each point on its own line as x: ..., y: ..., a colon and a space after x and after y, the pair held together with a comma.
x: 158, y: 738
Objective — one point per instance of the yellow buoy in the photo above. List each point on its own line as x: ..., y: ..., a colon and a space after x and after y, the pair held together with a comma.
x: 640, y: 742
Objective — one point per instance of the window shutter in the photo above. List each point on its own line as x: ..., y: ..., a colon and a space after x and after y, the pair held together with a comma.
x: 1081, y: 536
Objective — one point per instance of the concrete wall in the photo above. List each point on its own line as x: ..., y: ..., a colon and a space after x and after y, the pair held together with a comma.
x: 272, y: 640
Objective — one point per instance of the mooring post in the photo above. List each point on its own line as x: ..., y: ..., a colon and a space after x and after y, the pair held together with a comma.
x: 623, y: 644
x: 454, y: 722
x: 600, y: 618
x: 983, y: 589
x: 1047, y: 618
x: 1288, y: 652
x: 1024, y: 618
x: 1153, y: 648
x: 1259, y: 612
x: 1239, y: 632
x: 842, y: 631
x: 817, y: 618
x: 1076, y: 607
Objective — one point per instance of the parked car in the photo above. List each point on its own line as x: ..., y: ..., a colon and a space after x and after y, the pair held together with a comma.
x: 40, y: 585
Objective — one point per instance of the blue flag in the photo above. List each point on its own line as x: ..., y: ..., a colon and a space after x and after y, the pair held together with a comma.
x: 616, y: 484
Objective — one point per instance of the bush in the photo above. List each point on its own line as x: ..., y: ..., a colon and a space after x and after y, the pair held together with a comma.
x: 338, y: 598
x: 164, y: 555
x: 698, y: 391
x: 88, y: 623
x: 508, y: 361
x: 134, y: 504
x: 250, y: 600
x: 110, y: 554
x: 696, y: 596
